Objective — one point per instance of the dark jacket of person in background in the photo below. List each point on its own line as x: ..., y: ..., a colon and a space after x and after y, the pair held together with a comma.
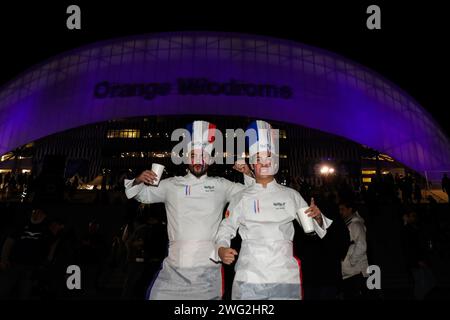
x: 321, y: 258
x: 146, y: 248
x: 23, y: 255
x: 416, y: 255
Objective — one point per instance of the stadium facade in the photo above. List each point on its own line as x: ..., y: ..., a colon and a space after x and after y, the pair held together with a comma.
x: 113, y: 90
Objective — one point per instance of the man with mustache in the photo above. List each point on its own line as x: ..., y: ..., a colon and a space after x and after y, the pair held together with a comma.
x: 194, y: 206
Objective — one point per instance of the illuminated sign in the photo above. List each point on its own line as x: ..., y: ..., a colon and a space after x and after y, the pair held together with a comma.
x: 191, y: 86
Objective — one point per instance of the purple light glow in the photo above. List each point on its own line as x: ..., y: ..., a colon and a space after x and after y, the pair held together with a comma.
x: 330, y: 93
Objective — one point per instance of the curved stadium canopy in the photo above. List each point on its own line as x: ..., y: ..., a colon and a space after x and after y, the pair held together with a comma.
x: 199, y: 73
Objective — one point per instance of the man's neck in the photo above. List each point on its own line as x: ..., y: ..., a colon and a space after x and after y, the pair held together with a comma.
x: 197, y: 176
x: 264, y: 181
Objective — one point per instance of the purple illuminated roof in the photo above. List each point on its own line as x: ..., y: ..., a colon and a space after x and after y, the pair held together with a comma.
x: 329, y: 93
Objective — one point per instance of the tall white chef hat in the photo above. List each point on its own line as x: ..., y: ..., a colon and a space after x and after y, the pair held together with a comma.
x: 203, y: 135
x: 262, y: 138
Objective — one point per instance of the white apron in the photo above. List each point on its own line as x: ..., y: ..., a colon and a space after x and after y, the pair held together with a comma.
x: 267, y: 270
x: 185, y: 274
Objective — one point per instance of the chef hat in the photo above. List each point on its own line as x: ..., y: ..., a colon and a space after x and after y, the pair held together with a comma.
x: 262, y: 139
x: 203, y: 135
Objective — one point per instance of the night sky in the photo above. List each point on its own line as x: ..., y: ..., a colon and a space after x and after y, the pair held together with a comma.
x: 411, y: 50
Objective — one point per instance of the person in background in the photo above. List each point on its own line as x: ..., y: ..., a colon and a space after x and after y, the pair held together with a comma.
x: 146, y: 248
x: 23, y: 254
x: 322, y: 273
x: 64, y: 251
x: 93, y: 252
x: 355, y: 264
x: 415, y: 255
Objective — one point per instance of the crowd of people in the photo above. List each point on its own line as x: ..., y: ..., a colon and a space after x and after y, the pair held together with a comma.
x: 34, y: 256
x: 162, y: 242
x: 14, y: 183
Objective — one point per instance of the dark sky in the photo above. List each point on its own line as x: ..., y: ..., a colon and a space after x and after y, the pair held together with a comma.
x: 410, y: 50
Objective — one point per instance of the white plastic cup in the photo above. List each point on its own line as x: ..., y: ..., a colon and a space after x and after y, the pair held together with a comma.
x: 307, y: 222
x: 158, y: 170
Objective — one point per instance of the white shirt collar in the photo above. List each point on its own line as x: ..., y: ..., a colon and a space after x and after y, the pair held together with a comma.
x: 271, y: 185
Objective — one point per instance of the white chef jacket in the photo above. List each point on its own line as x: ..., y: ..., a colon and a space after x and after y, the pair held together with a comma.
x: 266, y: 266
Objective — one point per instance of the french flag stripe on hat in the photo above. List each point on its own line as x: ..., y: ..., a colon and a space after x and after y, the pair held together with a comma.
x: 211, y: 132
